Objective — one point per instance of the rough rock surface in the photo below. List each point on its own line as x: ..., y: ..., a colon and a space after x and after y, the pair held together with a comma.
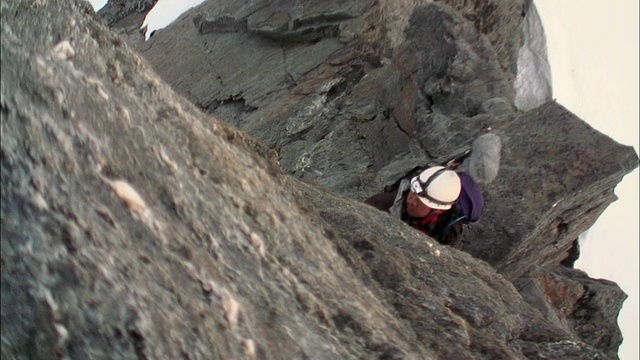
x: 126, y: 17
x: 594, y: 318
x: 341, y: 107
x: 555, y: 179
x: 570, y: 298
x: 399, y: 85
x: 135, y: 225
x: 533, y: 81
x: 121, y: 12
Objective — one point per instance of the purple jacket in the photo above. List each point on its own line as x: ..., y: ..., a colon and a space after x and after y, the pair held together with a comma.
x: 471, y: 200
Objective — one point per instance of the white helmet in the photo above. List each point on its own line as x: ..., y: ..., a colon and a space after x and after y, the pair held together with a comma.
x: 437, y: 187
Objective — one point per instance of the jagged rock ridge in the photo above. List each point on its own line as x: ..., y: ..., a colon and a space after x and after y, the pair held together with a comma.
x: 395, y: 98
x: 390, y: 98
x: 157, y: 231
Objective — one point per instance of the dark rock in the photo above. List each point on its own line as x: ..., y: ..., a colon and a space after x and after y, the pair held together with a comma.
x: 500, y: 23
x: 498, y: 107
x: 585, y: 306
x: 573, y: 255
x: 135, y: 225
x: 414, y: 83
x: 556, y: 177
x: 126, y: 18
x: 595, y: 315
x: 121, y: 13
x: 458, y: 69
x: 307, y: 29
x: 221, y: 24
x: 333, y: 95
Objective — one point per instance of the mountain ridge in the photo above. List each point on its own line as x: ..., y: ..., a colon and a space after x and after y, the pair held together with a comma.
x: 156, y: 230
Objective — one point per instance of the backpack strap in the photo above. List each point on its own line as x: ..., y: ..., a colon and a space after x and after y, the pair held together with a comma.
x: 455, y: 220
x: 451, y: 229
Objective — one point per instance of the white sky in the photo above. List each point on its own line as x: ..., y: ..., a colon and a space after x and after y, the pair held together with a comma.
x: 164, y: 12
x: 593, y: 51
x: 98, y: 4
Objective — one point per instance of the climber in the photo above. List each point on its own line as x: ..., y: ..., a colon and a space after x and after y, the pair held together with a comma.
x: 439, y: 202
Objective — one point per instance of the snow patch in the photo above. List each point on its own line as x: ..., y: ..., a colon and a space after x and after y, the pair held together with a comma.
x: 165, y: 12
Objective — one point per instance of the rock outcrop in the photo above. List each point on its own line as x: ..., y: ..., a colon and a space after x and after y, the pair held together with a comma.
x: 136, y: 225
x: 122, y: 13
x: 585, y: 306
x: 395, y: 87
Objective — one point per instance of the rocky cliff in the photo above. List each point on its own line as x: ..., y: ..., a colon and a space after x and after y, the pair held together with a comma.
x: 214, y: 210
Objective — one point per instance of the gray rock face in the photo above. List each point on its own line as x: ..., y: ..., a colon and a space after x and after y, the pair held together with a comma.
x: 569, y: 298
x: 135, y: 225
x: 533, y: 81
x: 372, y: 101
x: 125, y: 12
x: 500, y: 23
x: 353, y: 116
x: 556, y: 177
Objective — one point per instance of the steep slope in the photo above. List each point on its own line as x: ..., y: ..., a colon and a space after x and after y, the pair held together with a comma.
x: 353, y: 109
x: 354, y: 95
x: 135, y: 226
